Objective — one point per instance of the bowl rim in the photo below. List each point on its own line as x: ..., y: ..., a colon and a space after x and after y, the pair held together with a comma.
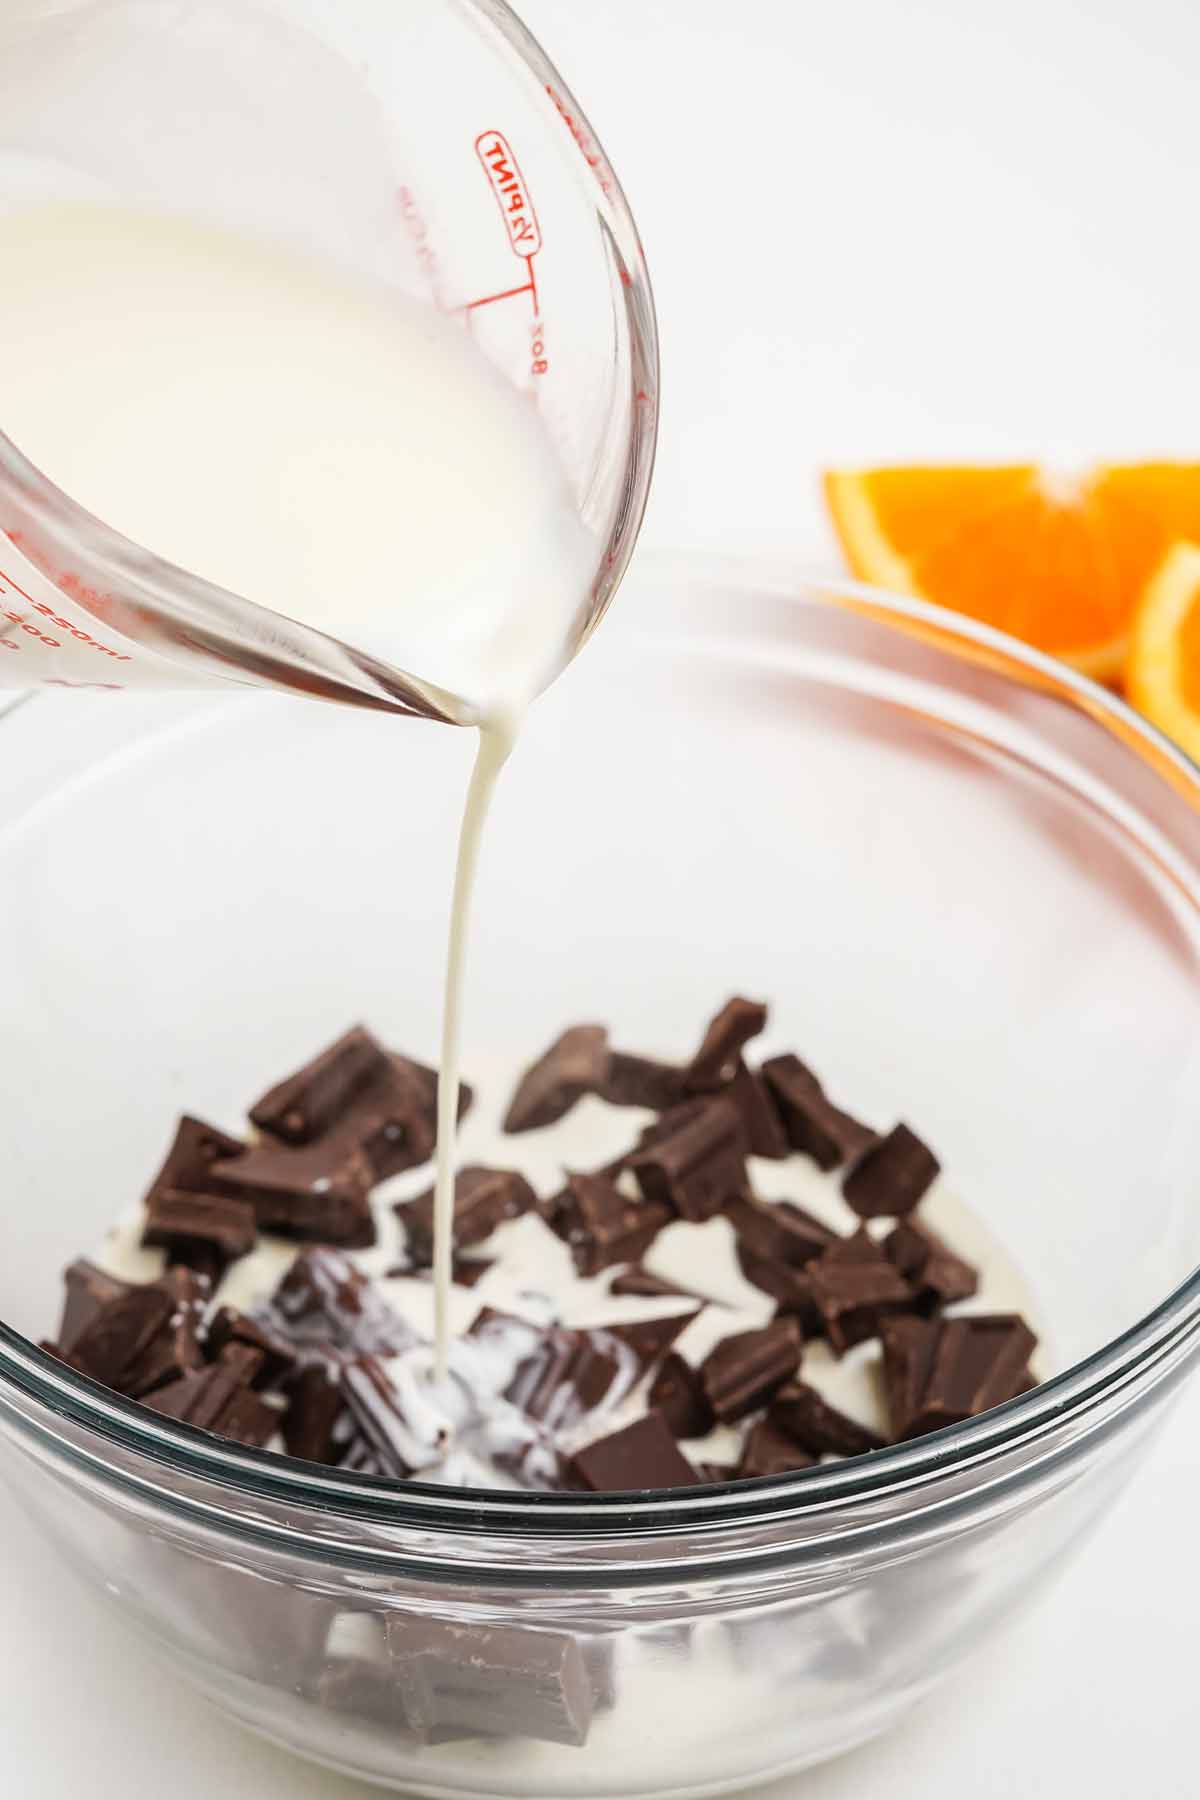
x: 1153, y: 1343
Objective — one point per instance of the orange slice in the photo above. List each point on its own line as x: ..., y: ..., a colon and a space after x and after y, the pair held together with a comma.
x: 1163, y: 671
x: 1057, y: 562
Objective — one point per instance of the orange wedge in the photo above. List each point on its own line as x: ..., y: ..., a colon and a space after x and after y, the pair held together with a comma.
x: 1163, y: 671
x: 1058, y: 562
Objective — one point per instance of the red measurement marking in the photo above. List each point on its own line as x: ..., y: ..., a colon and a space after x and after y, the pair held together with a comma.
x: 61, y: 624
x: 512, y: 196
x: 591, y: 151
x: 526, y: 287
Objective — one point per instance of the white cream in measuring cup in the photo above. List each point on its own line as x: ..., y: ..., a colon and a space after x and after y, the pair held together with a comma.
x: 342, y: 455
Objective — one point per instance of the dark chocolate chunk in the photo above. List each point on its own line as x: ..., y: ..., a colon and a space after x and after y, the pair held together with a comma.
x: 467, y: 1271
x: 602, y: 1226
x: 116, y: 1338
x: 393, y: 1120
x: 744, y: 1370
x: 777, y: 1230
x: 789, y: 1287
x: 214, y: 1400
x: 678, y: 1394
x: 489, y: 1681
x: 228, y: 1327
x: 562, y: 1375
x: 326, y: 1302
x: 698, y: 1167
x: 196, y: 1148
x: 88, y: 1289
x: 889, y: 1179
x: 943, y: 1371
x: 314, y: 1407
x: 727, y: 1035
x: 483, y: 1199
x: 761, y: 1119
x: 908, y: 1347
x: 650, y: 1339
x: 182, y: 1223
x: 769, y: 1451
x: 855, y: 1287
x: 641, y: 1455
x: 641, y: 1282
x: 303, y: 1106
x: 927, y: 1263
x: 577, y: 1063
x: 243, y: 1363
x: 384, y: 1423
x: 175, y: 1351
x: 360, y: 1689
x: 640, y: 1081
x: 317, y: 1193
x: 814, y: 1126
x: 799, y: 1410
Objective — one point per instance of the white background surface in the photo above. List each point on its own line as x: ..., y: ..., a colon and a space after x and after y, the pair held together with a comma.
x: 876, y: 228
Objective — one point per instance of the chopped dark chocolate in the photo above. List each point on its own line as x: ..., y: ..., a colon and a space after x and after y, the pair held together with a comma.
x: 182, y: 1222
x: 577, y: 1063
x: 360, y: 1688
x: 466, y: 1271
x: 855, y: 1287
x: 243, y: 1363
x: 769, y: 1451
x: 483, y: 1199
x: 678, y: 1394
x: 314, y: 1407
x: 641, y: 1455
x: 304, y: 1105
x: 490, y: 1680
x: 789, y: 1287
x: 640, y: 1081
x: 743, y: 1370
x: 697, y: 1168
x: 927, y: 1263
x: 650, y: 1339
x: 563, y: 1374
x: 814, y: 1126
x: 726, y: 1037
x: 817, y: 1427
x: 777, y: 1230
x: 603, y: 1226
x: 890, y: 1178
x: 641, y: 1282
x: 115, y: 1338
x: 761, y: 1119
x: 194, y: 1151
x: 228, y: 1326
x: 88, y: 1289
x: 393, y: 1120
x: 317, y: 1193
x: 175, y: 1350
x: 213, y: 1399
x: 943, y: 1371
x: 384, y: 1423
x: 326, y: 1302
x: 908, y: 1346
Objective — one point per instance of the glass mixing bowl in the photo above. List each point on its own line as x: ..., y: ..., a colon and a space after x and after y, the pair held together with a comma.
x: 969, y: 882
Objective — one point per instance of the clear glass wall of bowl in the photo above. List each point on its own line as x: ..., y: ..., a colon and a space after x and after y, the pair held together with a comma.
x: 969, y: 885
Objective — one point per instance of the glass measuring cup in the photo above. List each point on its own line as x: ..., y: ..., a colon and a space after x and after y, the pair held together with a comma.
x: 431, y: 150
